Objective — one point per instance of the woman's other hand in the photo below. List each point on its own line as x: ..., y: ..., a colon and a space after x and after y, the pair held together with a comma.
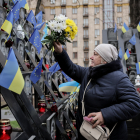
x: 58, y: 47
x: 97, y: 119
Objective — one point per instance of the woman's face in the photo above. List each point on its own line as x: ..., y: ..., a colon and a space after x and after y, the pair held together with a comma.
x: 95, y: 59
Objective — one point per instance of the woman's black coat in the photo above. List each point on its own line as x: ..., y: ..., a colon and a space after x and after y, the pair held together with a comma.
x: 111, y: 92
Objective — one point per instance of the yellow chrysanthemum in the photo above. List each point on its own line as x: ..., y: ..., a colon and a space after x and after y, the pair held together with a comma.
x: 70, y: 22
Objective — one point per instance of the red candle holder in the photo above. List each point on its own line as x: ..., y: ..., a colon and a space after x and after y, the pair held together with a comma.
x: 68, y: 131
x: 56, y: 93
x: 48, y: 98
x: 42, y: 106
x: 5, y: 129
x: 74, y: 123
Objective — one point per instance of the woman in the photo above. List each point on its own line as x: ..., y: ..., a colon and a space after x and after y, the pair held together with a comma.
x: 110, y: 97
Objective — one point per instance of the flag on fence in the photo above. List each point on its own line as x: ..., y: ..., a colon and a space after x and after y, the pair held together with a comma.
x: 15, y: 11
x: 126, y: 55
x: 23, y: 3
x: 11, y: 76
x: 35, y: 40
x: 31, y: 18
x: 120, y: 53
x: 39, y: 26
x: 68, y: 86
x: 138, y: 27
x: 66, y: 76
x: 133, y: 40
x: 36, y: 74
x: 138, y: 67
x: 125, y: 28
x: 39, y: 17
x: 8, y: 23
x: 54, y: 68
x: 115, y: 29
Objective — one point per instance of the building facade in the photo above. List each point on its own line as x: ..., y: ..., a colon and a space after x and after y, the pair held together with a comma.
x: 91, y: 17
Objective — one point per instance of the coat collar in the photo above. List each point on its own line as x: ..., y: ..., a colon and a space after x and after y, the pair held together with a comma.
x: 99, y: 71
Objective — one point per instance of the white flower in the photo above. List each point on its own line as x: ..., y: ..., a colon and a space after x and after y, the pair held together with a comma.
x: 64, y: 26
x: 52, y: 24
x: 62, y: 17
x: 58, y: 28
x: 56, y: 19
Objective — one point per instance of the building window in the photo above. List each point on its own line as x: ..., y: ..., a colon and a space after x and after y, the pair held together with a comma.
x: 74, y: 43
x: 85, y: 10
x: 74, y: 1
x: 85, y: 1
x: 119, y: 20
x: 119, y: 8
x: 108, y: 2
x: 97, y: 32
x: 108, y: 13
x: 85, y: 44
x: 52, y: 11
x: 96, y: 10
x: 86, y: 64
x: 96, y: 0
x: 97, y: 42
x: 63, y: 1
x: 85, y: 21
x: 86, y: 55
x: 74, y: 55
x: 85, y: 32
x: 63, y: 11
x: 75, y: 20
x: 74, y: 10
x: 96, y: 20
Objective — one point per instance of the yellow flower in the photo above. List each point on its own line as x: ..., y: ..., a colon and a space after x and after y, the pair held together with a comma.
x: 68, y: 29
x: 70, y: 22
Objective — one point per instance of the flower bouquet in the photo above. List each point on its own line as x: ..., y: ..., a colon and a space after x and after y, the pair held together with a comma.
x: 62, y: 30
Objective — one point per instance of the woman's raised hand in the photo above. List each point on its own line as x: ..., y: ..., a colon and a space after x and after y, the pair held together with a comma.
x: 57, y: 47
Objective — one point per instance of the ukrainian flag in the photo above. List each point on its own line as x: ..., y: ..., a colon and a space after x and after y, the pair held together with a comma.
x: 126, y: 55
x: 138, y: 27
x: 125, y: 28
x: 68, y: 86
x: 138, y: 67
x: 11, y: 76
x: 7, y: 25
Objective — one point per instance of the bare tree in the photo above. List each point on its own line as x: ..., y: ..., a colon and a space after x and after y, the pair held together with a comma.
x: 37, y: 7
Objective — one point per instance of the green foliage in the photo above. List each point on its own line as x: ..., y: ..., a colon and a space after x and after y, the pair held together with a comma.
x: 55, y: 36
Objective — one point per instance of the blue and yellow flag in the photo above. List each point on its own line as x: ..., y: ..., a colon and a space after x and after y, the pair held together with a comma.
x: 35, y: 40
x: 31, y: 18
x: 138, y: 27
x: 133, y: 40
x: 126, y: 55
x: 39, y: 17
x: 23, y: 3
x: 66, y: 76
x: 125, y: 28
x: 8, y: 23
x: 11, y: 76
x: 68, y: 86
x: 54, y: 68
x: 120, y: 53
x: 39, y: 26
x: 36, y: 74
x: 138, y: 67
x: 115, y: 29
x: 15, y: 11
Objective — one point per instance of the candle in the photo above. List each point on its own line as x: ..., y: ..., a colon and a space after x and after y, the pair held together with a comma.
x: 42, y: 106
x: 5, y: 129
